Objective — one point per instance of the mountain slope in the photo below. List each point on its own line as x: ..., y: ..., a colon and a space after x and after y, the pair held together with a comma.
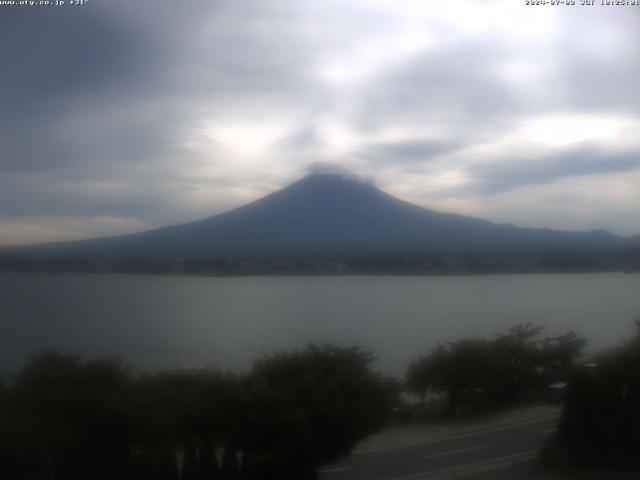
x: 331, y: 214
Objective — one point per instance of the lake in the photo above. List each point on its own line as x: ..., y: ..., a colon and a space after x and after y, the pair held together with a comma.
x: 157, y: 322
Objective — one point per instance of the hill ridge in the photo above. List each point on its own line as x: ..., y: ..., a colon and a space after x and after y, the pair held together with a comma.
x: 329, y: 214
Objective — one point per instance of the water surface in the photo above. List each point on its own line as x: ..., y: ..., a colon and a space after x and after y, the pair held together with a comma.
x: 165, y: 321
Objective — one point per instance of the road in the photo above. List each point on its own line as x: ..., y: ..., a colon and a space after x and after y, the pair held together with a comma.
x: 499, y: 452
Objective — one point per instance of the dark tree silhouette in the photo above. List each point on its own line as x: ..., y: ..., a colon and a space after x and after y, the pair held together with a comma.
x: 464, y: 370
x: 600, y: 423
x: 477, y: 373
x: 559, y: 355
x: 63, y: 418
x: 208, y: 468
x: 71, y: 418
x: 230, y: 467
x: 310, y: 407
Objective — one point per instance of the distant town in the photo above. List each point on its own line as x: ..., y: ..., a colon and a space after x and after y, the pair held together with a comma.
x: 628, y: 262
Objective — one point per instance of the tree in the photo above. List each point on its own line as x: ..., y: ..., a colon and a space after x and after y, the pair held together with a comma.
x: 476, y: 373
x: 559, y: 355
x: 8, y: 433
x: 190, y: 412
x: 311, y: 407
x: 520, y: 351
x: 70, y: 417
x: 465, y: 370
x: 600, y: 423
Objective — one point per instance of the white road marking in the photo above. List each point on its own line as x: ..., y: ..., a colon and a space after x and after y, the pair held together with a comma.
x: 334, y: 470
x: 471, y: 468
x: 445, y: 438
x: 547, y: 432
x: 453, y: 452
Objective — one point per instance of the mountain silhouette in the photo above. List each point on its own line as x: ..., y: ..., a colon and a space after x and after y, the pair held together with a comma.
x: 327, y: 214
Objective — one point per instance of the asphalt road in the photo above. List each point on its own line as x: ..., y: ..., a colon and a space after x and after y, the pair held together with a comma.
x: 505, y: 452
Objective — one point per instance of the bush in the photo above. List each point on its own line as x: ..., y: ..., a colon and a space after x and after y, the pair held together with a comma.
x: 477, y: 373
x: 311, y: 407
x: 63, y: 418
x: 600, y: 422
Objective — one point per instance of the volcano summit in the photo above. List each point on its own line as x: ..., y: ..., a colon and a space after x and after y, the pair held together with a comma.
x: 329, y: 215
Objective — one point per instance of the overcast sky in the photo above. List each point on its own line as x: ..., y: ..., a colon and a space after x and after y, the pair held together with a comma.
x: 125, y: 115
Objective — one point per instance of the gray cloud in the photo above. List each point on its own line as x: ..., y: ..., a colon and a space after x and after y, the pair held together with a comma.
x: 600, y: 70
x: 86, y: 102
x: 304, y: 137
x: 454, y: 86
x: 407, y: 151
x: 54, y: 54
x: 504, y: 175
x: 52, y: 61
x: 113, y: 109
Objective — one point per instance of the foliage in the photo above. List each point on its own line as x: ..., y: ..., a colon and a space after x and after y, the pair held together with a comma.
x: 476, y: 373
x: 600, y: 422
x: 66, y: 418
x: 321, y: 401
x: 63, y: 418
